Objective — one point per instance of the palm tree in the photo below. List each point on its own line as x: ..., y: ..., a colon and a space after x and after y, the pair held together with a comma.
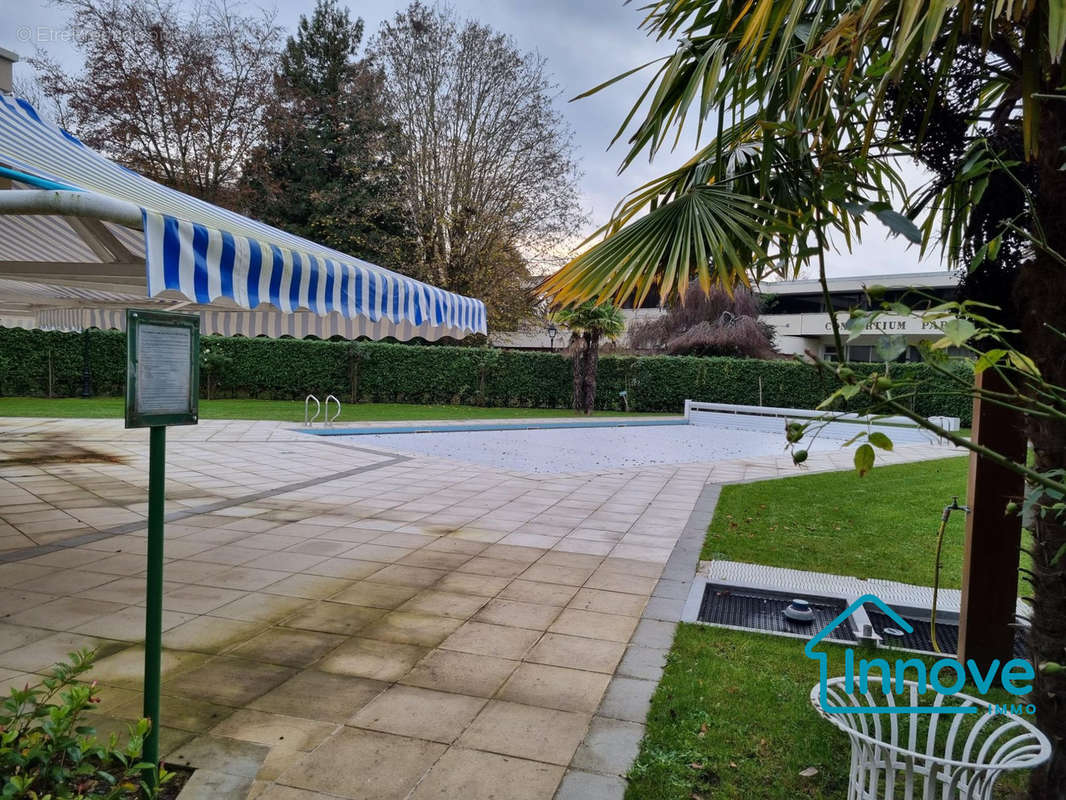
x: 810, y: 104
x: 589, y: 323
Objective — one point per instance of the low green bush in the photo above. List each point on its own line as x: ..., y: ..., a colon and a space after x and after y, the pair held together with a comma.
x: 32, y: 361
x: 49, y: 752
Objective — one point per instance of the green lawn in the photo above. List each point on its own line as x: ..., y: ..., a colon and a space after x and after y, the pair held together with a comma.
x: 284, y: 410
x: 880, y: 526
x: 731, y: 720
x: 731, y: 717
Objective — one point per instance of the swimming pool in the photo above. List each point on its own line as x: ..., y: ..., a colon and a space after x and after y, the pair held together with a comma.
x: 578, y: 447
x: 459, y: 427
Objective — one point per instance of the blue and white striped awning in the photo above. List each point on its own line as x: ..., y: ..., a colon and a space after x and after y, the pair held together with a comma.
x: 204, y: 253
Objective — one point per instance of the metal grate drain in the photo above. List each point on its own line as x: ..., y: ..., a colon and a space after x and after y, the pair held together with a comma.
x: 762, y: 610
x: 947, y: 633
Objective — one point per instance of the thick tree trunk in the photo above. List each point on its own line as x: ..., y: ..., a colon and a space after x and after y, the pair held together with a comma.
x: 585, y: 361
x: 1041, y: 295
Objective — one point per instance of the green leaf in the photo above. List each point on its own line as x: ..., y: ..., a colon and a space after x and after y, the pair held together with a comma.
x: 864, y: 459
x: 856, y: 325
x: 988, y: 359
x: 900, y: 225
x: 1056, y: 16
x: 880, y: 440
x: 889, y: 348
x: 616, y: 78
x: 958, y: 331
x: 1023, y: 363
x: 1058, y: 556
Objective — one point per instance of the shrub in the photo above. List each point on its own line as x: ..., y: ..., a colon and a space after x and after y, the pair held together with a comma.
x: 213, y: 368
x: 408, y: 373
x: 47, y: 752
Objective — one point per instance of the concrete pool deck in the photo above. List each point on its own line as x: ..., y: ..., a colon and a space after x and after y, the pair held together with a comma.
x: 345, y: 621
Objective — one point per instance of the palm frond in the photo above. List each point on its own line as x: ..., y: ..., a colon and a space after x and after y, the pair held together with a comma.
x: 709, y: 233
x: 800, y: 94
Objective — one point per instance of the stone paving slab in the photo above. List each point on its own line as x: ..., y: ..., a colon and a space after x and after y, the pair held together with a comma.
x: 347, y: 623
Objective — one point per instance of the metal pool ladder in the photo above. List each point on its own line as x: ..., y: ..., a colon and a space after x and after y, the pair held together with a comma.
x: 321, y: 410
x: 308, y: 419
x: 328, y: 421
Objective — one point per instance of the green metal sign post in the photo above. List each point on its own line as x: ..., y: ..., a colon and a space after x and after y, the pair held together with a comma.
x: 153, y: 619
x: 162, y: 388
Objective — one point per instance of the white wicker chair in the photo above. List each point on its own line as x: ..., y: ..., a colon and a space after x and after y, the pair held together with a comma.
x: 940, y: 756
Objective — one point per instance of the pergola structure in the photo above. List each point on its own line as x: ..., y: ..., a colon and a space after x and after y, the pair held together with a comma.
x: 82, y: 238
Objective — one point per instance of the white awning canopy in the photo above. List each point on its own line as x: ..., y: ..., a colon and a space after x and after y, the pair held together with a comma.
x: 82, y: 237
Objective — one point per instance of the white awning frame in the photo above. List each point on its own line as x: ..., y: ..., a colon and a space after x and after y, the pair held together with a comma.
x: 69, y: 203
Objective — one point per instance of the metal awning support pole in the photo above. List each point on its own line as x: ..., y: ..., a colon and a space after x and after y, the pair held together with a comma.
x: 72, y: 204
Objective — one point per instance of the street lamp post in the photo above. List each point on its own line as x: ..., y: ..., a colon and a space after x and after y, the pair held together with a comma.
x: 551, y: 336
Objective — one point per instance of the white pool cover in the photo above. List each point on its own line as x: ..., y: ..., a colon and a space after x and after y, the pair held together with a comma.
x: 591, y: 449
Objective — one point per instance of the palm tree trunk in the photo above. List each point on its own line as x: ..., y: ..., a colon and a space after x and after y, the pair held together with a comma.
x: 585, y: 362
x: 1041, y: 295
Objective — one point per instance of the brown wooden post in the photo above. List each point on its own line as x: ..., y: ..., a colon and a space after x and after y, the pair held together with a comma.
x: 993, y: 538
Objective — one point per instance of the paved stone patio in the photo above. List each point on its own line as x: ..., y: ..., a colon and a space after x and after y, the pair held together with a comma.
x: 345, y: 622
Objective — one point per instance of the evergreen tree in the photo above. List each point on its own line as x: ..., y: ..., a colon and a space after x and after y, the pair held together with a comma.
x: 327, y: 168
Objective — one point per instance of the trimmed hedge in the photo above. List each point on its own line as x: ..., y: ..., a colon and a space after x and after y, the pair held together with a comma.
x: 25, y: 357
x: 381, y: 372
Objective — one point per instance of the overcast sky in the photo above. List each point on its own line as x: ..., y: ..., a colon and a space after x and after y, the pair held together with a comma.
x: 584, y: 41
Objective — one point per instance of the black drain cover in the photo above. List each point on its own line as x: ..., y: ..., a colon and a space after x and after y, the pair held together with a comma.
x: 947, y: 633
x: 761, y: 610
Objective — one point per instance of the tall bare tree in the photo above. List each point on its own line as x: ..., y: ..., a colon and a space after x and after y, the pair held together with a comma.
x: 172, y: 90
x: 488, y: 165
